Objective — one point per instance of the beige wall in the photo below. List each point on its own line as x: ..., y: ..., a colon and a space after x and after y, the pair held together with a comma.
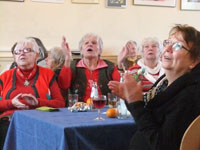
x: 49, y: 21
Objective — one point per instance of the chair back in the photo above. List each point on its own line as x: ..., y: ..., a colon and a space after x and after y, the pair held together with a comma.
x: 191, y: 137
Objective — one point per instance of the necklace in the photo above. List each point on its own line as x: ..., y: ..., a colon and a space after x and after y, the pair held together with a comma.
x: 27, y: 78
x: 26, y: 82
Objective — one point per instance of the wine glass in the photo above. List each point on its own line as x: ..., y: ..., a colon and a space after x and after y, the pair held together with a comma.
x: 99, y: 102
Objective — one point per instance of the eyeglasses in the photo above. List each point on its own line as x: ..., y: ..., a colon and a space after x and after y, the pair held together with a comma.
x: 26, y: 50
x: 175, y: 46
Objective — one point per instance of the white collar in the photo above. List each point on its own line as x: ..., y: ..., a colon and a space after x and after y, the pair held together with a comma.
x: 149, y: 71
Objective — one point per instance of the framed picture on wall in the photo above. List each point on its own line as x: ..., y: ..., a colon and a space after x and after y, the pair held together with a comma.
x: 13, y: 0
x: 85, y: 1
x: 190, y: 4
x: 49, y: 1
x: 166, y: 3
x: 116, y: 3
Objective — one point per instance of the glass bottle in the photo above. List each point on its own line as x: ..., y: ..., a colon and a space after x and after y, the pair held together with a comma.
x: 94, y: 94
x: 121, y: 106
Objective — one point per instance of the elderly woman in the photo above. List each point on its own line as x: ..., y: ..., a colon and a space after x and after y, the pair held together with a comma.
x: 81, y: 73
x: 20, y: 87
x: 40, y: 59
x: 170, y: 106
x: 151, y: 50
x: 55, y: 59
x: 128, y: 56
x: 55, y: 62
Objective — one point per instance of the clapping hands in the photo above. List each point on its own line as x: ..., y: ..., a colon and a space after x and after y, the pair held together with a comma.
x: 130, y: 89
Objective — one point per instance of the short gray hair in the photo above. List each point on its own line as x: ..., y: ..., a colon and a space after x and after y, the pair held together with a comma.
x: 35, y: 46
x: 59, y: 56
x: 99, y: 41
x: 42, y: 50
x: 151, y: 39
x: 133, y: 42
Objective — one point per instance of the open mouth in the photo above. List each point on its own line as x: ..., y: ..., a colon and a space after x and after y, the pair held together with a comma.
x: 167, y: 58
x: 90, y: 50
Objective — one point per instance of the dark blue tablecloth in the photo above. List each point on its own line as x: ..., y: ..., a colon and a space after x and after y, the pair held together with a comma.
x: 65, y: 130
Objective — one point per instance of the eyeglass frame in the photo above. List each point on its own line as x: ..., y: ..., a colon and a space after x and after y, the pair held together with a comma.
x: 25, y: 50
x: 174, y: 44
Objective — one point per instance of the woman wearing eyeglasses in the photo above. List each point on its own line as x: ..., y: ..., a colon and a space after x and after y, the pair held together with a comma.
x: 40, y: 60
x: 27, y: 86
x: 165, y: 112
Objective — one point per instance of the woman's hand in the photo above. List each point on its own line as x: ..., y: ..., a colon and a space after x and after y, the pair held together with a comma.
x: 16, y: 102
x: 122, y: 56
x: 130, y: 89
x: 116, y: 88
x: 30, y: 99
x: 65, y: 47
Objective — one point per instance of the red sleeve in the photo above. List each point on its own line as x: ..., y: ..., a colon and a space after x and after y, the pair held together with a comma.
x: 56, y: 100
x: 115, y: 74
x: 134, y: 67
x: 5, y: 104
x: 64, y: 78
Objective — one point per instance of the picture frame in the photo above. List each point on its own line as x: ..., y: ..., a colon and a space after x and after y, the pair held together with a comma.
x: 86, y: 1
x: 164, y: 3
x: 49, y: 1
x: 13, y: 0
x: 190, y: 4
x: 116, y: 3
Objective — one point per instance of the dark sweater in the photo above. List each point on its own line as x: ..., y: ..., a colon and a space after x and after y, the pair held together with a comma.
x: 162, y: 123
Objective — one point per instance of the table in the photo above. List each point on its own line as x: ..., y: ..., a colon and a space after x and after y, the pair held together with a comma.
x: 65, y: 130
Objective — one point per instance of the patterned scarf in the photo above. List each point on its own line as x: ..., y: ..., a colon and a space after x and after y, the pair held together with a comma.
x: 157, y: 88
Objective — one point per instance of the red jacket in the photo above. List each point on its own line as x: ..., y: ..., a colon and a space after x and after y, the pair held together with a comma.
x: 43, y: 86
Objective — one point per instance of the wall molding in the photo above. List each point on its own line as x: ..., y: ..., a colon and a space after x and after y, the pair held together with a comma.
x: 6, y: 58
x: 5, y: 54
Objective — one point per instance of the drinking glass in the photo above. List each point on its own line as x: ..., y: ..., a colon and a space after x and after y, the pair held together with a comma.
x: 122, y: 109
x: 112, y: 100
x: 72, y: 98
x: 99, y: 102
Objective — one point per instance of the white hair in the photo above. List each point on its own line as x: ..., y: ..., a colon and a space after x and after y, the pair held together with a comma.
x: 25, y: 41
x: 99, y: 40
x: 132, y: 42
x: 58, y: 54
x: 153, y: 40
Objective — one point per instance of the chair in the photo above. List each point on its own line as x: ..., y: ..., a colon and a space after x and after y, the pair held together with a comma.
x: 191, y: 137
